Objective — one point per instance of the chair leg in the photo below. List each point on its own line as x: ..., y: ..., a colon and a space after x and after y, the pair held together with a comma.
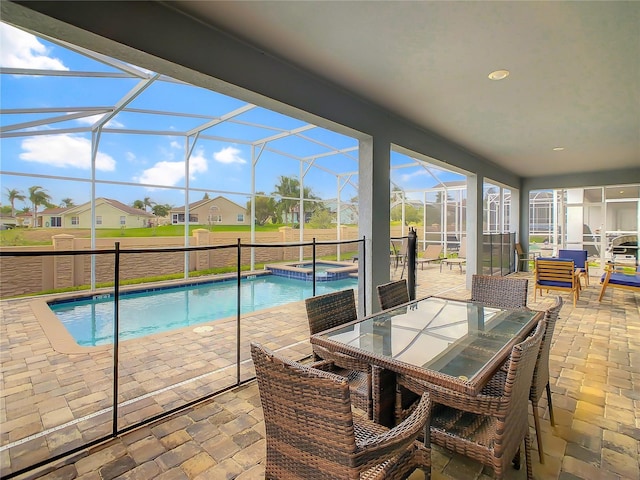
x: 527, y: 456
x: 398, y: 405
x: 516, y: 459
x: 553, y: 423
x: 536, y: 421
x: 603, y: 288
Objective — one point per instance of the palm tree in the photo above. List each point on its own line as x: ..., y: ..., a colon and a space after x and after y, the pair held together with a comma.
x: 139, y: 204
x: 67, y: 203
x: 13, y: 195
x: 147, y: 202
x: 265, y: 208
x: 288, y: 187
x: 38, y: 196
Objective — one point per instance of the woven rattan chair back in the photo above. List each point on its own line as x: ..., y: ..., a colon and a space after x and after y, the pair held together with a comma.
x: 311, y: 432
x: 540, y: 382
x: 330, y: 310
x: 514, y: 427
x: 503, y: 292
x: 393, y: 294
x: 494, y: 432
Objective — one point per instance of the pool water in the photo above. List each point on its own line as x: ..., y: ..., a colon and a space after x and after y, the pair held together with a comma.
x: 325, y: 272
x: 90, y: 320
x: 320, y: 267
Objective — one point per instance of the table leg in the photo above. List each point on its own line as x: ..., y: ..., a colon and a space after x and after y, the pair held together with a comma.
x: 384, y: 396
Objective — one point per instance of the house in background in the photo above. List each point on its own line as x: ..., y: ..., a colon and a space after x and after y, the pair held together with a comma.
x: 24, y: 219
x: 51, y: 217
x: 294, y: 215
x: 212, y: 211
x: 7, y: 222
x: 348, y: 212
x: 109, y: 214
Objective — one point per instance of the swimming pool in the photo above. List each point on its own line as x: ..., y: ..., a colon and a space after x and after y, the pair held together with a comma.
x: 90, y: 320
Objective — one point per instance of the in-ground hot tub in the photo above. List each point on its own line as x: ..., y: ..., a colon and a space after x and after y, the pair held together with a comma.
x: 326, y: 270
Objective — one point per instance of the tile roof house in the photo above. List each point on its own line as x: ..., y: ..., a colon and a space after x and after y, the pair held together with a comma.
x: 212, y: 211
x: 109, y: 214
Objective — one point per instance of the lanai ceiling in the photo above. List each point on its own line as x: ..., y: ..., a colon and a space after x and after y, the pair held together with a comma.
x: 574, y: 80
x: 574, y: 68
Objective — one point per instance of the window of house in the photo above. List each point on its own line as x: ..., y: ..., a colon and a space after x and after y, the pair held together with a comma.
x: 75, y: 220
x: 98, y: 219
x: 241, y: 218
x: 123, y: 220
x: 56, y: 221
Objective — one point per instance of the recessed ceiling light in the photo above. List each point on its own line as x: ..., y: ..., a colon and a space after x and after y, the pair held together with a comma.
x: 499, y: 74
x: 558, y: 149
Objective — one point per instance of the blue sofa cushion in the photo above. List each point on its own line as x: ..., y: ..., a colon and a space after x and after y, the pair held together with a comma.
x: 554, y: 284
x: 623, y: 279
x: 579, y: 257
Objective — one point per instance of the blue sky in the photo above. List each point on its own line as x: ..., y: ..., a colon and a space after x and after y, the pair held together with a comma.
x: 219, y: 164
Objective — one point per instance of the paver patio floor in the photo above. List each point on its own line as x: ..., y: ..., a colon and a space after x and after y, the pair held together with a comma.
x: 595, y: 370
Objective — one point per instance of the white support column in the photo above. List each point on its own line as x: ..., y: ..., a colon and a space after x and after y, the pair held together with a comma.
x: 474, y: 226
x: 374, y: 214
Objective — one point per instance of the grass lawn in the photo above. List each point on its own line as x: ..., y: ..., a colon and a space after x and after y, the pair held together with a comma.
x: 42, y: 236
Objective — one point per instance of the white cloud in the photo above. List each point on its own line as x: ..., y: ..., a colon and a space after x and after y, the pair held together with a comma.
x: 113, y: 123
x: 229, y: 155
x: 65, y: 151
x: 23, y: 50
x: 405, y: 177
x: 198, y: 164
x: 171, y: 173
x: 175, y: 144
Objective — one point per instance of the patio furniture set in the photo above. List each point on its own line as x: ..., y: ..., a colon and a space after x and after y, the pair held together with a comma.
x: 381, y: 389
x: 567, y: 271
x: 433, y: 253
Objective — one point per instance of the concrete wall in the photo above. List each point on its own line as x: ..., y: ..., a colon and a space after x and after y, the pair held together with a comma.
x: 31, y: 275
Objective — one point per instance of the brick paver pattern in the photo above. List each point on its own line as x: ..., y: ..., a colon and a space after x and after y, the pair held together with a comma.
x: 52, y: 402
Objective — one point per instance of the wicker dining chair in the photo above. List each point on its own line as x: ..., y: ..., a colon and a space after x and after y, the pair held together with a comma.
x: 488, y: 427
x: 540, y: 380
x: 331, y: 310
x: 312, y: 432
x: 393, y: 294
x: 503, y: 292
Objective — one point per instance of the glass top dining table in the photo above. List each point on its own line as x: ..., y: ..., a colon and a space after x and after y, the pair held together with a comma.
x: 452, y: 343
